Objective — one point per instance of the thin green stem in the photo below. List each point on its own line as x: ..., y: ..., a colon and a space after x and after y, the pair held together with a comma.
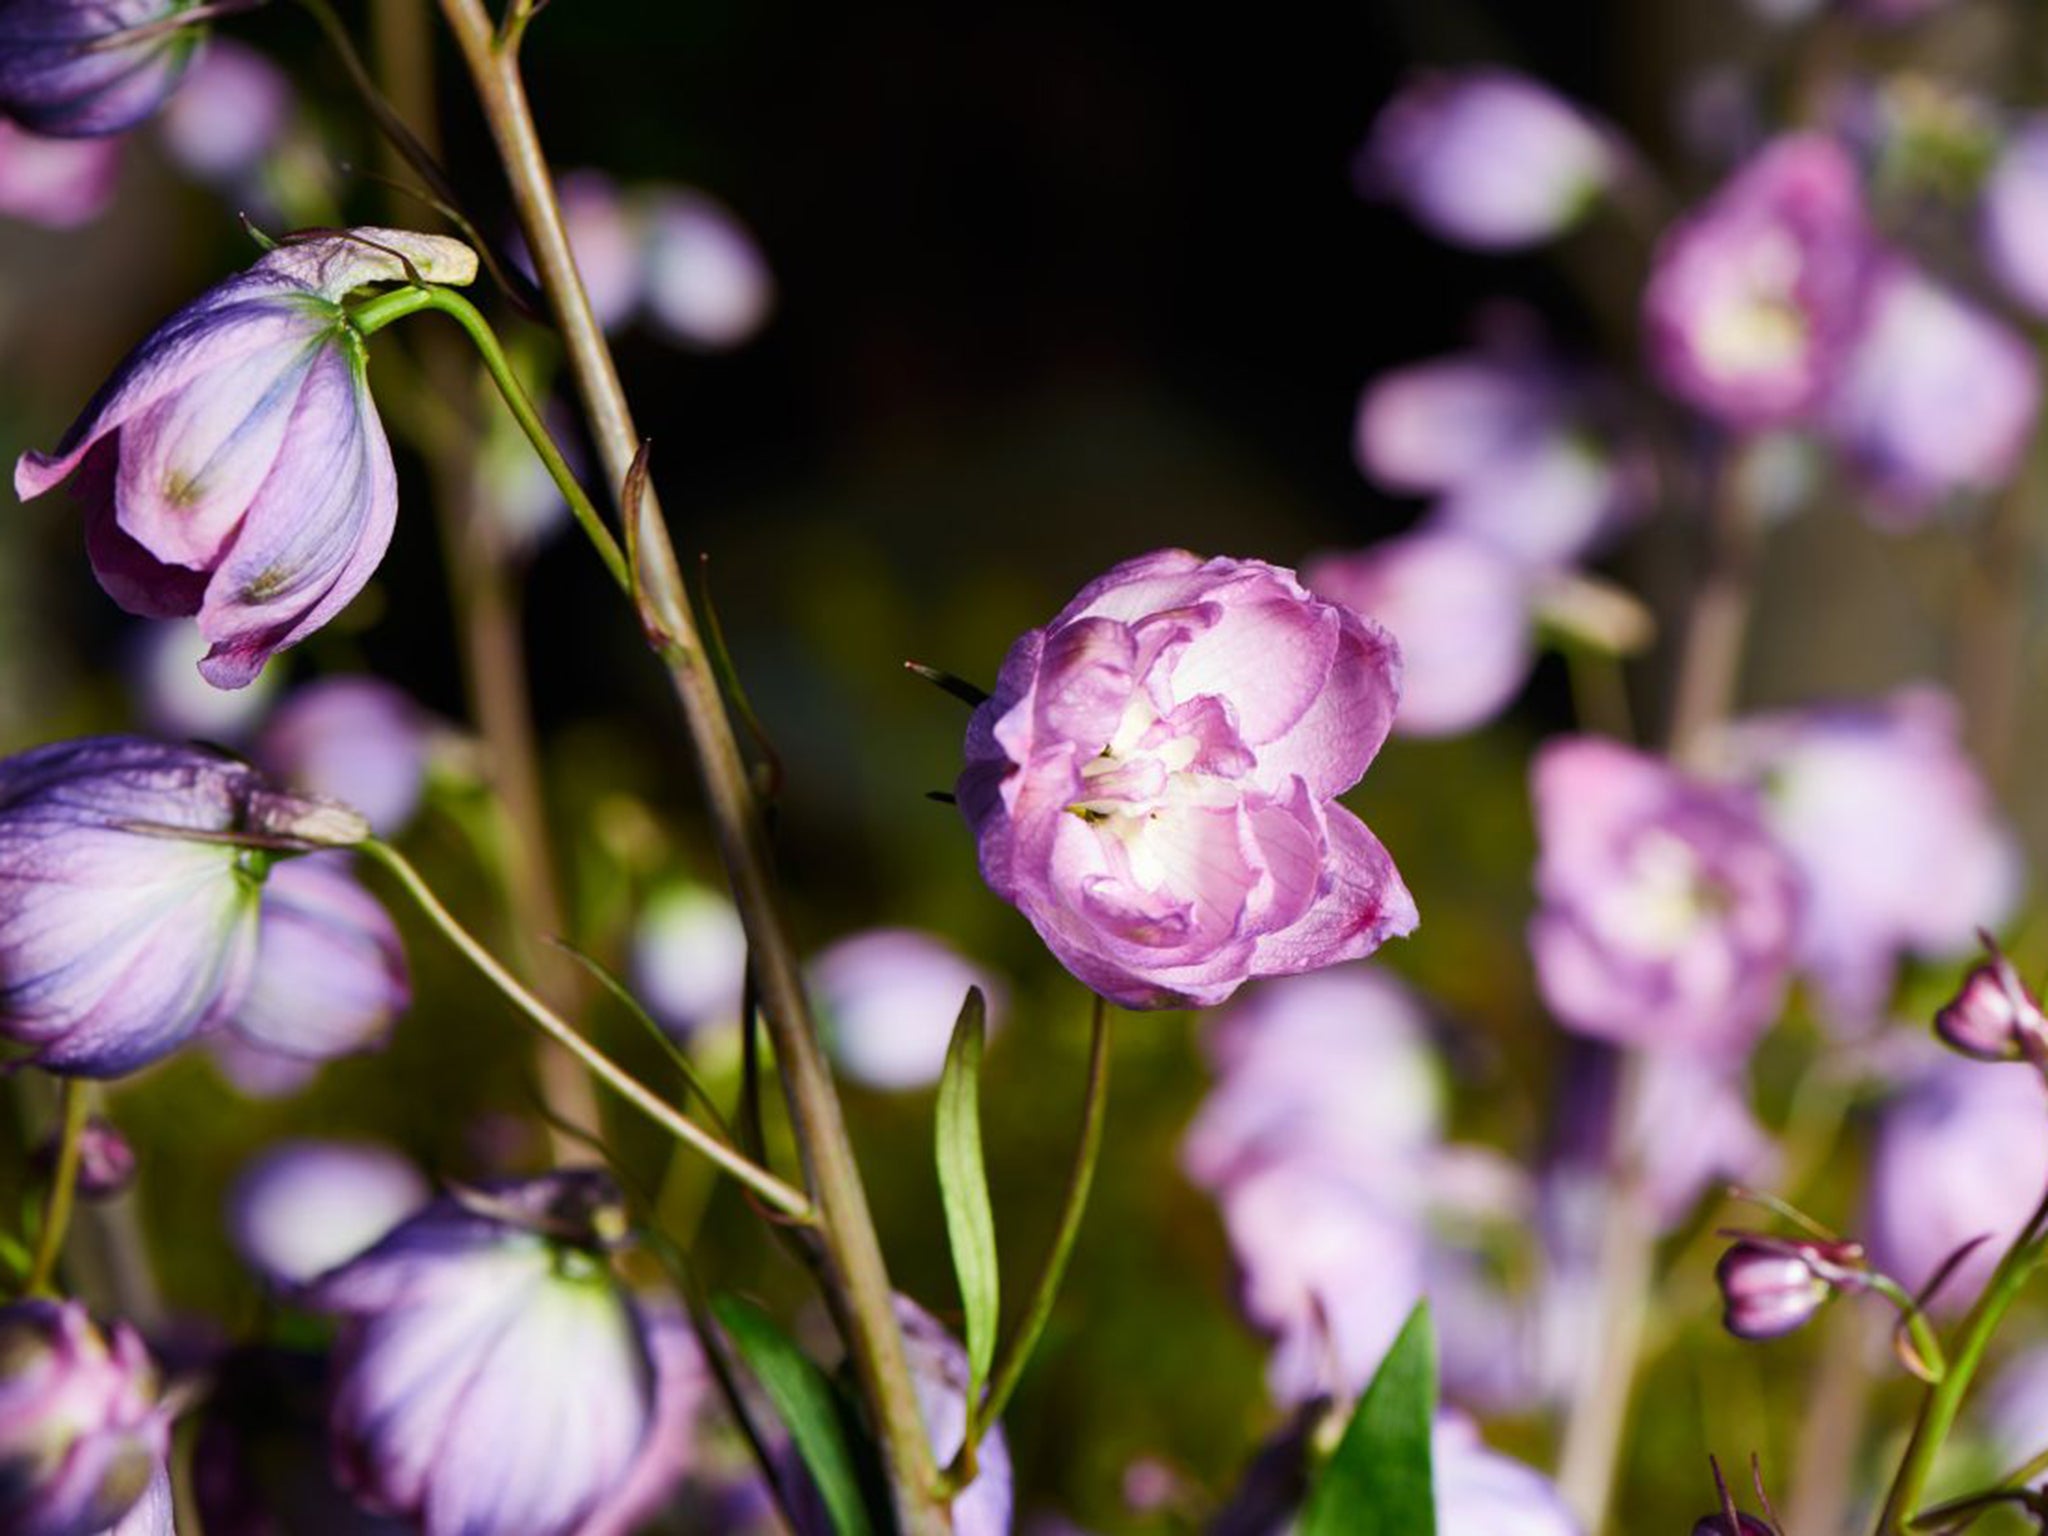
x: 1926, y: 1344
x: 63, y: 1192
x: 771, y: 1189
x: 371, y: 317
x: 856, y: 1274
x: 1009, y: 1368
x: 1944, y: 1398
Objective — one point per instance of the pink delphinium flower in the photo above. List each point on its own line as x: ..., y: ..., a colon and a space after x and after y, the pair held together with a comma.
x: 1756, y: 297
x: 58, y: 183
x: 1153, y: 782
x: 234, y: 467
x: 1667, y: 913
x: 1937, y: 396
x: 1488, y: 158
x: 1462, y: 612
x: 1945, y: 865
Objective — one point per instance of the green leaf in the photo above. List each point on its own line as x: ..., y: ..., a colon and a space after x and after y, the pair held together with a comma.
x: 1379, y: 1482
x: 804, y: 1401
x: 963, y: 1185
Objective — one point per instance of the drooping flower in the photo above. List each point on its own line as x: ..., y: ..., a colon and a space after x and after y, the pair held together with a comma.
x: 82, y: 1437
x: 1516, y: 449
x: 1946, y: 865
x: 1153, y: 782
x: 171, y: 699
x: 1959, y: 1156
x: 708, y: 285
x: 120, y: 939
x: 304, y: 1207
x: 1462, y: 612
x: 57, y: 183
x: 1667, y: 913
x: 82, y: 68
x: 492, y: 1377
x: 234, y: 467
x: 358, y: 740
x: 1488, y: 158
x: 888, y: 999
x: 1937, y: 397
x: 1756, y: 297
x: 690, y: 959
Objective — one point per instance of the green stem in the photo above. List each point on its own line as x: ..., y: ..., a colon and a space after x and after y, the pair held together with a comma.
x: 856, y: 1274
x: 371, y: 317
x: 1926, y: 1343
x: 771, y: 1189
x: 63, y: 1191
x: 1944, y: 1398
x: 1080, y: 1178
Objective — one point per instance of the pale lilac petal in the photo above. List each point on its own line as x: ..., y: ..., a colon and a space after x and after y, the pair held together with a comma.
x: 330, y: 975
x: 708, y: 284
x: 58, y: 183
x: 888, y: 999
x: 304, y: 1207
x: 1430, y: 426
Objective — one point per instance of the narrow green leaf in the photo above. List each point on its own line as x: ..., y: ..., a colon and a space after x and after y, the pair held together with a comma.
x: 963, y: 1185
x: 1379, y: 1481
x: 804, y: 1401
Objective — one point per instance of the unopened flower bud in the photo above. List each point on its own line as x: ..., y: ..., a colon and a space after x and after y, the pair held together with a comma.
x: 81, y: 1435
x: 1993, y: 1016
x: 1768, y: 1290
x: 106, y: 1162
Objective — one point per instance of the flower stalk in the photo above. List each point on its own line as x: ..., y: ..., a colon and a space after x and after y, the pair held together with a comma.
x: 790, y: 1202
x: 74, y: 1106
x: 854, y: 1262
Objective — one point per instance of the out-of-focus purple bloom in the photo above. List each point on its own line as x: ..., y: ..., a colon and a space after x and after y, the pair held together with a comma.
x: 255, y: 1073
x: 81, y: 1433
x: 1153, y: 783
x: 172, y: 699
x: 1937, y: 397
x: 1993, y: 1016
x: 1756, y: 297
x: 888, y: 999
x: 106, y: 1160
x: 1690, y: 1128
x: 1461, y: 611
x: 492, y: 1375
x: 690, y: 959
x: 119, y: 938
x: 1962, y: 1153
x: 330, y: 975
x: 1512, y: 447
x: 605, y: 238
x: 2014, y: 215
x: 358, y: 740
x: 938, y: 1370
x: 515, y: 493
x: 2015, y: 1405
x: 1488, y: 158
x: 1900, y: 848
x: 64, y: 70
x: 708, y: 285
x: 1667, y: 912
x: 230, y: 119
x: 304, y: 1207
x: 1334, y: 1067
x: 58, y: 183
x: 234, y: 467
x: 1768, y: 1289
x: 1480, y: 1492
x: 1895, y: 12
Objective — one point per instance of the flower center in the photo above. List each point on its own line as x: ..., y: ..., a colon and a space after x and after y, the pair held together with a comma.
x: 1156, y: 771
x: 1660, y: 904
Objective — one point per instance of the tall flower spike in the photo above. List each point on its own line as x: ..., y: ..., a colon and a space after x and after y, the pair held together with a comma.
x: 128, y: 913
x: 1153, y: 783
x: 234, y: 466
x: 81, y: 68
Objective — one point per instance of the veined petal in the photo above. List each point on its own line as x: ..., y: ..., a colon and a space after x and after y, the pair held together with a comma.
x: 330, y: 975
x: 334, y: 266
x: 1365, y: 904
x: 316, y: 531
x: 128, y: 573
